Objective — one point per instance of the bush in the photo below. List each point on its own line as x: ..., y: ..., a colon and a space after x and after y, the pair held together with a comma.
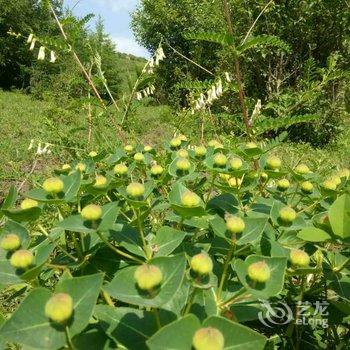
x: 207, y: 257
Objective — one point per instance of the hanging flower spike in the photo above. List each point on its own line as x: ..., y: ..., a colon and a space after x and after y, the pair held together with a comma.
x: 31, y: 144
x: 53, y: 57
x: 228, y: 77
x: 30, y: 38
x: 41, y: 55
x: 32, y: 45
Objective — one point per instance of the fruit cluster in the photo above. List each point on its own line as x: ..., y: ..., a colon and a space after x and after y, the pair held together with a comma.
x: 156, y: 242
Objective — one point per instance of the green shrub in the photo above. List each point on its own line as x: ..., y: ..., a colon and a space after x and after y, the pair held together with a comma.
x: 178, y: 258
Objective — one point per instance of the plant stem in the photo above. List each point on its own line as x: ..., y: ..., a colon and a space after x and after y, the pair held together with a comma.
x: 238, y: 73
x: 107, y: 298
x: 142, y: 235
x: 211, y: 188
x: 231, y: 300
x: 77, y: 59
x: 42, y: 229
x: 68, y: 338
x: 156, y: 315
x: 342, y: 266
x: 190, y: 301
x: 224, y: 272
x: 118, y: 251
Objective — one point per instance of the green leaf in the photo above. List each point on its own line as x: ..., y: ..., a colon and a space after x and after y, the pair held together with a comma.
x: 339, y: 216
x: 127, y: 326
x: 84, y: 291
x: 167, y: 240
x: 269, y: 124
x: 177, y: 335
x: 76, y: 223
x: 29, y: 326
x: 70, y: 190
x: 175, y: 200
x: 263, y: 40
x: 23, y: 214
x: 93, y: 339
x: 204, y: 304
x: 313, y: 234
x: 123, y: 286
x: 273, y: 286
x: 10, y: 199
x: 237, y: 337
x: 224, y: 203
x: 254, y: 228
x: 224, y: 39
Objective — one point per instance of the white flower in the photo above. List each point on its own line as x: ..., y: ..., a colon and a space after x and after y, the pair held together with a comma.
x: 32, y: 45
x: 31, y: 144
x: 30, y: 38
x: 139, y: 96
x: 53, y: 57
x: 219, y: 89
x: 228, y: 77
x: 41, y: 55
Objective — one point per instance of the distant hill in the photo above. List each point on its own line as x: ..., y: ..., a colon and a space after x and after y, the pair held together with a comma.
x: 129, y: 65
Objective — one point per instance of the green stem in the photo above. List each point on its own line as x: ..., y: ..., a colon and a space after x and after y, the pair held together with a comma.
x: 142, y: 235
x: 190, y: 301
x: 118, y: 251
x: 42, y: 229
x: 224, y: 272
x: 156, y: 315
x: 68, y: 338
x: 342, y: 266
x: 211, y: 188
x: 231, y: 300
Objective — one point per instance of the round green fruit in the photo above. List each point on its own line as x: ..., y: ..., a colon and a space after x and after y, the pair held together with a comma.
x: 66, y: 167
x: 299, y: 258
x: 135, y: 190
x: 120, y: 169
x: 200, y: 151
x: 215, y: 144
x: 236, y: 163
x: 283, y: 185
x: 235, y: 224
x: 93, y: 154
x: 147, y: 149
x: 201, y: 264
x: 22, y: 259
x: 190, y: 200
x: 220, y: 160
x: 259, y: 272
x: 53, y: 185
x: 175, y: 142
x: 100, y: 182
x: 234, y: 182
x: 10, y: 242
x: 128, y: 148
x: 59, y: 308
x: 329, y: 184
x: 182, y: 153
x: 307, y: 187
x: 273, y: 163
x: 157, y: 170
x: 28, y: 203
x: 80, y: 167
x: 208, y: 338
x: 148, y: 277
x: 336, y: 179
x: 91, y: 212
x: 287, y: 214
x: 302, y: 169
x: 183, y: 164
x: 139, y: 157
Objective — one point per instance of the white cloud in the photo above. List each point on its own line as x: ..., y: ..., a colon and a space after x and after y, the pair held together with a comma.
x: 129, y: 45
x: 118, y: 5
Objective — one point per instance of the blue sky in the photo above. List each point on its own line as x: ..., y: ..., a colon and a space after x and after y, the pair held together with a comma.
x: 116, y: 16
